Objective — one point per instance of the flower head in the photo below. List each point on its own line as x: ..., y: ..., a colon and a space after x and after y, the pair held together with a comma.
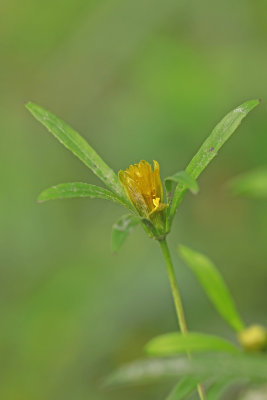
x: 143, y: 187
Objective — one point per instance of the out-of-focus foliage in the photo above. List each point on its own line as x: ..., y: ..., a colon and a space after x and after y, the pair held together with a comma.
x: 250, y: 184
x: 183, y: 388
x: 256, y: 393
x: 212, y: 366
x: 175, y: 343
x: 142, y: 80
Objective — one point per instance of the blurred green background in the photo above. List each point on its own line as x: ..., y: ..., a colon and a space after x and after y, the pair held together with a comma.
x: 142, y: 79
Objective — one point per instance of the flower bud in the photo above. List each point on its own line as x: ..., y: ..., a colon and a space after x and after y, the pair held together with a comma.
x: 253, y: 338
x: 144, y: 189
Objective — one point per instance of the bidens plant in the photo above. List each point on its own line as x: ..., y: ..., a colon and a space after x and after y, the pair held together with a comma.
x: 139, y: 189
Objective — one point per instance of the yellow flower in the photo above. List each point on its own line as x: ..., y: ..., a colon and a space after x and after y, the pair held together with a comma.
x: 143, y: 187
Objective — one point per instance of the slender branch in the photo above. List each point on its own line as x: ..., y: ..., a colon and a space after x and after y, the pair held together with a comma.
x: 177, y: 300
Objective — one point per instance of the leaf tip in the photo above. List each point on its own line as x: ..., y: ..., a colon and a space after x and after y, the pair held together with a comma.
x: 149, y: 350
x: 41, y: 198
x: 195, y: 190
x: 28, y: 105
x: 182, y: 248
x: 114, y: 250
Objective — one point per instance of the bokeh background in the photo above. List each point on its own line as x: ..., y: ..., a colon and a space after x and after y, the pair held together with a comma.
x: 142, y: 79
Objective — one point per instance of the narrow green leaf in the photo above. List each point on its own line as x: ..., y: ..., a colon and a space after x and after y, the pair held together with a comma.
x: 220, y: 134
x: 214, y: 286
x: 174, y: 343
x: 181, y: 177
x: 78, y: 146
x: 77, y: 189
x: 121, y: 229
x: 183, y: 388
x: 218, y: 388
x: 251, y: 184
x: 212, y: 366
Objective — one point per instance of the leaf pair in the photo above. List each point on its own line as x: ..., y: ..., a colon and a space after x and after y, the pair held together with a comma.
x: 81, y: 149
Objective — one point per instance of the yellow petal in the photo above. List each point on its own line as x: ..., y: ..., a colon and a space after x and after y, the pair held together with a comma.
x: 156, y: 202
x: 131, y: 189
x: 157, y: 180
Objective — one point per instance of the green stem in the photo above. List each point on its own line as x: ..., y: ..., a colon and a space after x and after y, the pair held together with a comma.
x: 177, y: 300
x: 174, y: 287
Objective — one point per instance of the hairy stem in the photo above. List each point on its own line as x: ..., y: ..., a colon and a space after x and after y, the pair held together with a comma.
x: 177, y: 300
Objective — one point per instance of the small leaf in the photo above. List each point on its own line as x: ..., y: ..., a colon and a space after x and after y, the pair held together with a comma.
x: 251, y: 184
x: 220, y: 134
x: 78, y: 146
x: 184, y: 178
x: 77, y: 189
x: 183, y: 388
x: 214, y: 286
x: 122, y: 228
x: 174, y: 343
